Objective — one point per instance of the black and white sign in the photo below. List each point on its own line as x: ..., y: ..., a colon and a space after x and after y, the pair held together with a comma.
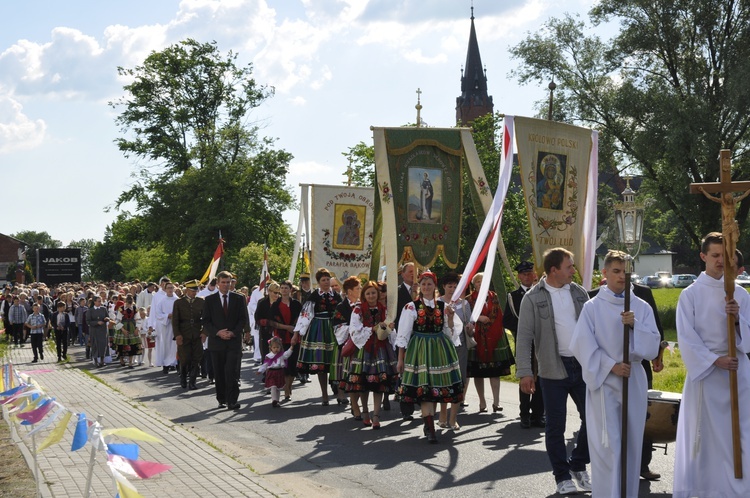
x: 59, y: 265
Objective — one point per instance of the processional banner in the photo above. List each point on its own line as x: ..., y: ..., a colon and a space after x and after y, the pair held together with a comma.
x: 558, y: 165
x: 342, y: 224
x: 423, y: 187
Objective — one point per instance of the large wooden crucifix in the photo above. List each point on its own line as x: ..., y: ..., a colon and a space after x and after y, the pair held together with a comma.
x: 730, y: 234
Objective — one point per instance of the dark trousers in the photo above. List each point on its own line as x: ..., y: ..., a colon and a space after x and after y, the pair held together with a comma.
x: 532, y: 405
x: 648, y: 444
x: 17, y: 329
x: 555, y: 393
x: 190, y: 354
x: 61, y: 340
x: 207, y: 368
x: 226, y: 365
x: 264, y: 335
x: 37, y: 343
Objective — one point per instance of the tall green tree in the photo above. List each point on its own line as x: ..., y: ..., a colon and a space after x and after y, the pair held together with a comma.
x: 86, y: 246
x: 37, y: 240
x: 202, y: 167
x: 670, y: 89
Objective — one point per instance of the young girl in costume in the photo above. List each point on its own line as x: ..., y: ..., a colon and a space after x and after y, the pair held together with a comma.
x: 273, y: 366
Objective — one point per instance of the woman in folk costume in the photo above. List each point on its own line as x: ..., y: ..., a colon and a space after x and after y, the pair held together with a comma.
x: 315, y: 327
x: 127, y: 339
x: 373, y: 367
x: 492, y: 356
x: 427, y: 359
x: 352, y: 289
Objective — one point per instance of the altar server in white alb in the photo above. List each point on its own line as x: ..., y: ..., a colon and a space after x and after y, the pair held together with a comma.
x: 703, y: 453
x: 598, y: 345
x: 166, y: 347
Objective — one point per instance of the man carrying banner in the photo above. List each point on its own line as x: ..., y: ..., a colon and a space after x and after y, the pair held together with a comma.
x: 549, y: 312
x: 531, y: 405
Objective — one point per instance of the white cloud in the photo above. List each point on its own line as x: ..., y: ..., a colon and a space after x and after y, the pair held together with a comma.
x: 298, y: 100
x: 17, y: 131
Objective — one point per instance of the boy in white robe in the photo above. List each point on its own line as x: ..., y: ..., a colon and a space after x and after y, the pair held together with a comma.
x: 703, y: 452
x: 166, y: 347
x: 598, y: 345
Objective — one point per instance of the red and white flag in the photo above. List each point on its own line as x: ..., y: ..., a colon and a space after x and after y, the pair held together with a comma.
x: 214, y: 265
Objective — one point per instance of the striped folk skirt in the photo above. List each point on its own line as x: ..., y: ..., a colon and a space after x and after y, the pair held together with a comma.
x: 318, y: 347
x: 431, y: 370
x: 372, y: 368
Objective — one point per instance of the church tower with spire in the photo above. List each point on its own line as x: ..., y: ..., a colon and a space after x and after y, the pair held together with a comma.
x: 474, y: 101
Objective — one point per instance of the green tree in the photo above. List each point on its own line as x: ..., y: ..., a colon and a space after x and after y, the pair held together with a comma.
x: 126, y: 232
x: 206, y: 170
x: 86, y: 246
x: 249, y: 262
x: 151, y: 264
x: 361, y: 159
x: 669, y: 89
x: 37, y: 240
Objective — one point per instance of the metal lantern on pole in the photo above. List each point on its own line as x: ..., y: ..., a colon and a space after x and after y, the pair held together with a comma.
x: 629, y: 217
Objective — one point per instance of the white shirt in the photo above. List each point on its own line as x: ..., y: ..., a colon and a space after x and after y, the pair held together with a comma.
x: 565, y: 317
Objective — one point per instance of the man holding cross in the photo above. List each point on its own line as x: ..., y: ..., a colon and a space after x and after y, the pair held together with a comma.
x: 703, y: 451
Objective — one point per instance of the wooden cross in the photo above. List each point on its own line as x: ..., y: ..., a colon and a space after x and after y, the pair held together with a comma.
x: 730, y: 233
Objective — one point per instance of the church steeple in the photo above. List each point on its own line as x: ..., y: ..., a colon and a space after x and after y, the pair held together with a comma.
x: 474, y: 101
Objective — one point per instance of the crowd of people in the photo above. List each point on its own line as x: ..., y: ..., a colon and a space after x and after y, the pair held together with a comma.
x: 569, y: 342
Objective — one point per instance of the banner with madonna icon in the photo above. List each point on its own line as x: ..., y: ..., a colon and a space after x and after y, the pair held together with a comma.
x: 558, y: 164
x: 342, y: 223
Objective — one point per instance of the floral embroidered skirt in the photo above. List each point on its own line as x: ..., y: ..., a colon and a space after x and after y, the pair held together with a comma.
x: 490, y: 358
x: 318, y: 347
x: 372, y: 368
x: 128, y: 342
x: 431, y: 370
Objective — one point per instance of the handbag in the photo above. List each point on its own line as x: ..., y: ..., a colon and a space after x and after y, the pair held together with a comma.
x: 470, y: 342
x: 349, y: 348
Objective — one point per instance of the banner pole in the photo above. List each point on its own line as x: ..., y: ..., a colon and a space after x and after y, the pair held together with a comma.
x: 92, y: 460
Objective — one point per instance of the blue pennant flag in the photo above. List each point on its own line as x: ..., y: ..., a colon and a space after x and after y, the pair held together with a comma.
x: 11, y: 392
x: 129, y: 451
x: 82, y: 433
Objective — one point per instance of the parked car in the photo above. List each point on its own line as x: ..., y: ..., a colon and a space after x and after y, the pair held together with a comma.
x: 666, y: 278
x: 652, y: 281
x: 684, y: 280
x: 743, y: 279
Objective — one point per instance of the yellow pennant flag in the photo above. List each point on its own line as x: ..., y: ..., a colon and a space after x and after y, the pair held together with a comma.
x: 57, y: 433
x: 124, y: 487
x: 131, y: 433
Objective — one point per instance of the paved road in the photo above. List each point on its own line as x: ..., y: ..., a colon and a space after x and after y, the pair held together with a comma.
x: 311, y: 450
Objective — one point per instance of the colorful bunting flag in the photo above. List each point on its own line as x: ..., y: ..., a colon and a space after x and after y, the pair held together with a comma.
x: 131, y: 433
x: 124, y: 450
x: 139, y: 468
x: 12, y: 391
x: 57, y: 433
x: 214, y: 265
x: 124, y: 488
x: 35, y: 415
x: 47, y: 422
x: 81, y: 435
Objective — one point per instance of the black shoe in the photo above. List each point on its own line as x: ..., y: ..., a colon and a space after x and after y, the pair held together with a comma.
x: 34, y: 360
x: 222, y: 404
x: 234, y: 407
x: 525, y: 422
x: 192, y: 385
x: 183, y: 383
x: 540, y: 422
x: 650, y: 476
x: 408, y: 417
x: 165, y: 370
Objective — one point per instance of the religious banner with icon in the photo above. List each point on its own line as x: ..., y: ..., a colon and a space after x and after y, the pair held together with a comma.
x: 558, y: 165
x: 342, y: 221
x: 424, y: 190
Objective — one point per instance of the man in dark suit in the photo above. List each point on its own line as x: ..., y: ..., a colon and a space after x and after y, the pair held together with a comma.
x: 405, y: 296
x: 645, y: 293
x: 531, y: 405
x: 224, y: 319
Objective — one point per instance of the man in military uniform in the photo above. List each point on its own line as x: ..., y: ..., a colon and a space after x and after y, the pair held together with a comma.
x: 186, y: 324
x: 532, y: 406
x: 305, y: 288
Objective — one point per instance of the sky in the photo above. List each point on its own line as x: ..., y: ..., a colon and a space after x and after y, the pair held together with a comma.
x: 337, y: 67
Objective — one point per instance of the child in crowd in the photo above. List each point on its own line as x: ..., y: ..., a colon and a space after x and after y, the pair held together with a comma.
x: 36, y: 323
x: 273, y: 366
x: 147, y: 340
x: 80, y: 319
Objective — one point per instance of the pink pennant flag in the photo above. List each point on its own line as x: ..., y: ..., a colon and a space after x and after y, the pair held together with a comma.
x: 139, y: 468
x: 35, y: 416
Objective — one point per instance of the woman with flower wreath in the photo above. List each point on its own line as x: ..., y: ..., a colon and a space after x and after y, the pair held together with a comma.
x: 373, y: 367
x: 427, y: 358
x: 492, y: 356
x: 315, y: 327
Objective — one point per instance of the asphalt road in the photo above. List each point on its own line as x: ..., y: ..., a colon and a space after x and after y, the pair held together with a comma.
x: 313, y: 450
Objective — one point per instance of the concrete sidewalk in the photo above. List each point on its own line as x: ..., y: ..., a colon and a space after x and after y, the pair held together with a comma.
x: 199, y: 469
